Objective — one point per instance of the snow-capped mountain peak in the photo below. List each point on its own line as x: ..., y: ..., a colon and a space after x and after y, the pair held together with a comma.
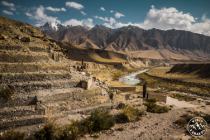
x: 50, y: 26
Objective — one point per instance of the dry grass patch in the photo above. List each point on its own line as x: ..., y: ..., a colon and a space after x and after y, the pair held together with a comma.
x: 182, y: 97
x: 154, y: 108
x: 129, y: 114
x: 12, y: 135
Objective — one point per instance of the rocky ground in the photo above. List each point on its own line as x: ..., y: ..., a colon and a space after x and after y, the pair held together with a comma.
x: 154, y: 126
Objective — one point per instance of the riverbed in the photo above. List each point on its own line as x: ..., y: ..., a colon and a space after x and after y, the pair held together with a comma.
x: 131, y: 79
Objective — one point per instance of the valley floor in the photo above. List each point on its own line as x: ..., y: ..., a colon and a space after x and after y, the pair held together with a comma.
x: 164, y: 126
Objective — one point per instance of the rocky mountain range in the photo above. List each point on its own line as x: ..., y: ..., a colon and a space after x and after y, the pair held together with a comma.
x: 131, y: 38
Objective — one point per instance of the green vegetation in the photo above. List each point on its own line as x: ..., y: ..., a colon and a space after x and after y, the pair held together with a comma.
x: 99, y: 120
x: 128, y: 114
x: 154, y: 108
x: 6, y: 92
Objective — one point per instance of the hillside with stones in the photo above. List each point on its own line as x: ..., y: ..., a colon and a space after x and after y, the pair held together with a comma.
x: 38, y: 82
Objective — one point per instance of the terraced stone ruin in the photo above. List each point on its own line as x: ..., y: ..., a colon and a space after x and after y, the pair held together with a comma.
x: 42, y: 81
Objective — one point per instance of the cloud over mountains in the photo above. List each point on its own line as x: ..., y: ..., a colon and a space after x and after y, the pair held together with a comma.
x: 161, y: 18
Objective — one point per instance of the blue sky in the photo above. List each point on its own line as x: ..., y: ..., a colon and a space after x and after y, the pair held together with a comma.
x: 192, y: 15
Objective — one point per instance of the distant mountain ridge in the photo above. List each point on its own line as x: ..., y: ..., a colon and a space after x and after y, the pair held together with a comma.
x: 132, y: 38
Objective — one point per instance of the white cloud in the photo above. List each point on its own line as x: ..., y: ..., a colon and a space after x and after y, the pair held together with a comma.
x: 53, y: 9
x: 168, y: 18
x: 5, y: 3
x: 28, y: 14
x: 105, y: 19
x: 165, y: 18
x: 202, y: 27
x: 171, y: 18
x: 84, y: 22
x: 41, y: 17
x: 111, y: 22
x: 73, y: 22
x: 74, y: 5
x: 83, y: 13
x: 118, y: 15
x: 10, y: 5
x: 111, y: 11
x: 7, y: 12
x: 102, y: 9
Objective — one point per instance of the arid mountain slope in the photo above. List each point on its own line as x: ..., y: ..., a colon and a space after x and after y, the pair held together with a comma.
x: 37, y: 81
x: 131, y: 38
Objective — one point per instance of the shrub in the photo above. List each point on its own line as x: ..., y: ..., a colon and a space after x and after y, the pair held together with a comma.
x: 12, y: 135
x: 6, y: 92
x: 69, y: 132
x: 182, y: 122
x: 131, y: 113
x: 121, y: 118
x: 99, y: 120
x: 154, y: 108
x: 128, y: 114
x: 46, y: 133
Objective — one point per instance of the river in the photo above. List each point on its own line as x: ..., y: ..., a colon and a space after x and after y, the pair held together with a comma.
x: 131, y: 79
